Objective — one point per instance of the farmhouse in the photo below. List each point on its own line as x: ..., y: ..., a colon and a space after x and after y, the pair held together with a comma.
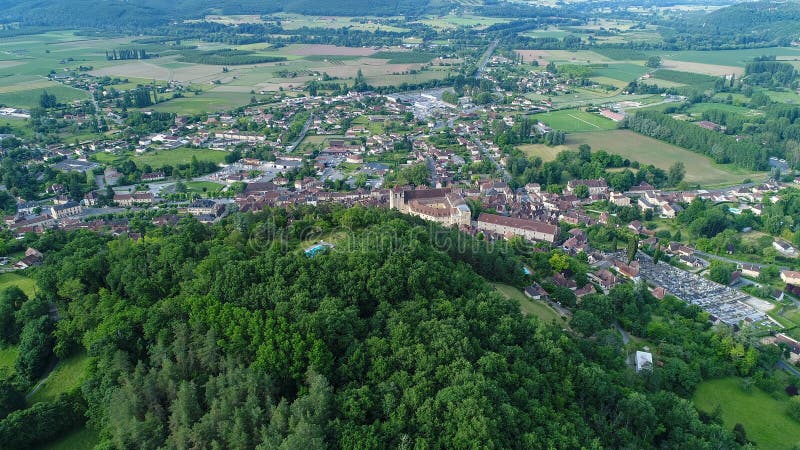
x: 790, y: 277
x: 529, y: 229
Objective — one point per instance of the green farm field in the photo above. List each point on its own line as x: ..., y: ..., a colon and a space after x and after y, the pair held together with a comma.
x: 27, y: 285
x: 528, y: 306
x: 646, y: 150
x: 623, y: 72
x: 729, y: 57
x: 575, y: 121
x: 764, y: 418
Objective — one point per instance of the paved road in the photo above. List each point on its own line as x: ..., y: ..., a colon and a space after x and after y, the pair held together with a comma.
x: 485, y: 58
x: 734, y: 261
x: 302, y: 134
x: 506, y: 175
x: 789, y: 368
x: 626, y: 337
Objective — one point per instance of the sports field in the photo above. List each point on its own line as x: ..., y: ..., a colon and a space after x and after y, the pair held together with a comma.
x: 575, y: 121
x: 699, y: 169
x: 528, y: 306
x: 764, y: 418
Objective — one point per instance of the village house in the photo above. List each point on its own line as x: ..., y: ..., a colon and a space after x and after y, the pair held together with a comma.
x: 65, y: 210
x: 596, y: 187
x: 509, y: 226
x: 790, y: 277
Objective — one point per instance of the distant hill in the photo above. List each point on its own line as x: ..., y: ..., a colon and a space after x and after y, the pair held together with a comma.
x: 751, y: 24
x: 144, y: 13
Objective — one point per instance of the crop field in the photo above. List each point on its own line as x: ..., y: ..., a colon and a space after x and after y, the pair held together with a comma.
x: 528, y: 306
x: 764, y: 418
x: 646, y: 150
x: 575, y: 121
x: 694, y: 79
x: 67, y: 375
x: 20, y: 97
x: 451, y: 21
x: 28, y: 285
x: 623, y: 71
x: 701, y: 68
x: 737, y: 58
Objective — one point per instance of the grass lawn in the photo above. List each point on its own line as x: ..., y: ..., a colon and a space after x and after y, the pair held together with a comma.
x: 634, y: 146
x: 161, y: 158
x: 203, y: 187
x: 764, y: 418
x: 211, y: 101
x: 528, y: 306
x: 8, y: 356
x: 575, y: 121
x: 546, y: 152
x: 67, y: 375
x: 80, y: 439
x: 27, y: 285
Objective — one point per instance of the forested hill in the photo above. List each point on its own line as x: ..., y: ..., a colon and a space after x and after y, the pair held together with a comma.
x: 231, y: 337
x: 756, y: 24
x: 145, y: 13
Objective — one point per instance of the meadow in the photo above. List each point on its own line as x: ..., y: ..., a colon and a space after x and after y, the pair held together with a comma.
x: 764, y: 418
x: 67, y: 375
x: 575, y: 121
x: 528, y: 306
x: 28, y: 285
x: 646, y: 150
x: 160, y: 158
x: 546, y: 152
x: 8, y: 357
x: 80, y: 439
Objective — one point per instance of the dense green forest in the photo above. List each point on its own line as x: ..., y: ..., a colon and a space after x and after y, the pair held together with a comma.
x: 230, y: 337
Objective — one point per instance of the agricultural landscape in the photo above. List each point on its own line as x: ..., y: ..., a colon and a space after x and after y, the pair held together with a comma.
x: 417, y: 223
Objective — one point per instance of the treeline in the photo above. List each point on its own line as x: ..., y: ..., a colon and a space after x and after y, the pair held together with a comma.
x: 723, y: 149
x: 389, y: 339
x: 587, y: 164
x: 126, y: 54
x: 227, y: 57
x: 767, y: 72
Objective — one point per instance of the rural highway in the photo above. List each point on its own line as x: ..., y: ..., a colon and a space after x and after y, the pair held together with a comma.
x: 302, y: 134
x: 485, y: 58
